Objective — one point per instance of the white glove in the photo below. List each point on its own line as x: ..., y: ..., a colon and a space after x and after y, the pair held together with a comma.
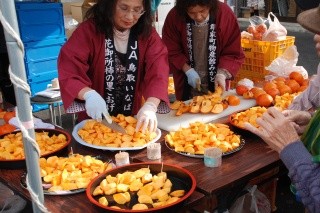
x: 220, y: 79
x: 96, y: 106
x: 147, y: 117
x: 193, y: 78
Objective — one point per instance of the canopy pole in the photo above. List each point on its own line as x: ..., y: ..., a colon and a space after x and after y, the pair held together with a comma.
x: 16, y: 59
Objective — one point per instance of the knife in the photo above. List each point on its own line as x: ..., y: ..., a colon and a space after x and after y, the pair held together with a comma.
x: 113, y: 125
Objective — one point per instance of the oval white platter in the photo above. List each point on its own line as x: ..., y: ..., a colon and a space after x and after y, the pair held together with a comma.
x: 79, y: 140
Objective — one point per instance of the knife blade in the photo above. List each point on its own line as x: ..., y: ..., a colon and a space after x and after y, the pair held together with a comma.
x: 114, y: 126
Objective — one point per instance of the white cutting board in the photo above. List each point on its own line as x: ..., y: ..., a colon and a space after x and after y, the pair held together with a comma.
x: 171, y: 122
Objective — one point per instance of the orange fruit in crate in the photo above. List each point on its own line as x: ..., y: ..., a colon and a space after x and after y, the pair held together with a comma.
x: 273, y: 92
x: 264, y: 100
x: 240, y: 89
x: 233, y: 100
x: 284, y: 89
x: 6, y: 128
x: 293, y: 84
x: 297, y: 77
x: 8, y: 115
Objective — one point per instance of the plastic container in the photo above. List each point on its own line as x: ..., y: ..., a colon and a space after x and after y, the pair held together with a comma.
x: 41, y: 59
x: 258, y: 55
x: 40, y: 20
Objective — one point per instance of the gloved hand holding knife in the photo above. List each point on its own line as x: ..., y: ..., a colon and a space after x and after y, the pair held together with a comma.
x: 96, y: 106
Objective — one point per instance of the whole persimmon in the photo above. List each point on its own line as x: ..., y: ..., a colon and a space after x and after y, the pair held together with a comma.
x: 8, y: 115
x: 293, y: 84
x: 279, y: 83
x: 296, y: 76
x: 273, y: 92
x: 284, y: 89
x: 268, y: 85
x: 254, y: 89
x: 305, y: 82
x: 240, y: 89
x: 302, y: 88
x: 233, y: 100
x: 258, y: 92
x: 279, y: 78
x: 264, y: 100
x: 6, y: 128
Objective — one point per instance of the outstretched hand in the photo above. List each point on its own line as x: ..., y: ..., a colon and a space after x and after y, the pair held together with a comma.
x: 299, y: 119
x: 275, y: 129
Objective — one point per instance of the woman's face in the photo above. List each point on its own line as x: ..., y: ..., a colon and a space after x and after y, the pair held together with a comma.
x: 127, y: 13
x: 198, y: 13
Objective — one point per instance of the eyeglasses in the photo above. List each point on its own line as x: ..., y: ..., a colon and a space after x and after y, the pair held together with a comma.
x: 135, y: 12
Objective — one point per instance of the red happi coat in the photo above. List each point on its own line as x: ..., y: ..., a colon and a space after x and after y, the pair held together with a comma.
x: 229, y: 51
x: 81, y: 64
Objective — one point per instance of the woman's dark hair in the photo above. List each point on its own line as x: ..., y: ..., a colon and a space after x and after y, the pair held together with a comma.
x: 183, y: 5
x: 103, y: 12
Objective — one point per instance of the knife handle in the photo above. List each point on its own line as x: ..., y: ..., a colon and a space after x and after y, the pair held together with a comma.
x: 107, y: 117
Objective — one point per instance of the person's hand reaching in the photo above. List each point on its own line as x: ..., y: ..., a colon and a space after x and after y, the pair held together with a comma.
x: 275, y: 129
x: 147, y: 118
x: 299, y: 119
x: 193, y: 78
x: 96, y: 106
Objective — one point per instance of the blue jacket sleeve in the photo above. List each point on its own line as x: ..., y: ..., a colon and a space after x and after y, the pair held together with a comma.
x: 304, y: 174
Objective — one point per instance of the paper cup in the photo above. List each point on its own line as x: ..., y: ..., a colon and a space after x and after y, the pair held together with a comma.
x: 212, y: 157
x: 122, y: 158
x: 154, y: 151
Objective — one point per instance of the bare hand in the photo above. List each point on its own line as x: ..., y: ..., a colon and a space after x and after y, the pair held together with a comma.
x: 275, y: 129
x: 299, y: 119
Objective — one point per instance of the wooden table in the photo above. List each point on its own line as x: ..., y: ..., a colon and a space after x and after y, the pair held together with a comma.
x: 214, y: 185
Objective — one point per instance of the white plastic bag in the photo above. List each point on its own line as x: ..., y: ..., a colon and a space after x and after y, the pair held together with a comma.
x: 286, y: 63
x: 253, y: 201
x: 276, y: 31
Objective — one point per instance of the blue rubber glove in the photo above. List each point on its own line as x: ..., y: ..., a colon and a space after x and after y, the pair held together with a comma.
x: 193, y: 78
x: 96, y: 106
x: 147, y: 118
